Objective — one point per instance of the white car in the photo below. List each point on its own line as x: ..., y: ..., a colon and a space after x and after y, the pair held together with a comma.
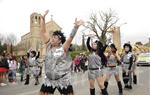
x: 143, y: 59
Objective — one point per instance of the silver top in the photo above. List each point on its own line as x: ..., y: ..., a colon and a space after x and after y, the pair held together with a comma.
x: 57, y: 64
x: 112, y: 60
x: 126, y: 57
x: 94, y: 61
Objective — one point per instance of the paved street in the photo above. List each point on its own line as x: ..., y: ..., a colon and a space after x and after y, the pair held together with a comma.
x: 81, y: 86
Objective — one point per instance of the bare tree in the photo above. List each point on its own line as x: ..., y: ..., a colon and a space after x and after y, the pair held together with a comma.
x: 11, y: 39
x: 2, y: 44
x: 2, y: 38
x: 101, y: 22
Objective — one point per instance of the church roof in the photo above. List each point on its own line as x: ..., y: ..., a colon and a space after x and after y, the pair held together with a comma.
x: 52, y: 26
x: 147, y: 44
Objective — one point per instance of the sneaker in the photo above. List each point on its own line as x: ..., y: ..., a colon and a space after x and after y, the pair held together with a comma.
x: 3, y: 84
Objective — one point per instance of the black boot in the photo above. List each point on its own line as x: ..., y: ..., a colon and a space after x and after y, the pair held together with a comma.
x: 120, y: 88
x: 106, y: 84
x: 37, y: 81
x: 130, y: 87
x: 21, y: 79
x: 125, y: 79
x: 134, y: 79
x: 104, y: 91
x: 27, y: 80
x: 92, y: 91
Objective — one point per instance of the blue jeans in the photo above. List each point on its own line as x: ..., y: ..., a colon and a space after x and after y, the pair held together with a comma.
x: 13, y: 74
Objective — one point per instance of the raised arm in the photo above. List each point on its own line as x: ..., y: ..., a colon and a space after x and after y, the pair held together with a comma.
x: 44, y: 34
x: 88, y: 44
x: 73, y: 33
x: 38, y: 55
x: 28, y: 53
x: 104, y: 48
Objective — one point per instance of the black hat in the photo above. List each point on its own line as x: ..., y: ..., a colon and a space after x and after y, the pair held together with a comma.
x: 33, y: 52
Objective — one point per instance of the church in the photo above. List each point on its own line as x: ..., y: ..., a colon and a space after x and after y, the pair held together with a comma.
x: 32, y: 39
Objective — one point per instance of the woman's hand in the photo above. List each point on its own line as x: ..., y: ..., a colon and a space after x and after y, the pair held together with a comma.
x: 46, y: 12
x: 78, y: 23
x: 67, y: 43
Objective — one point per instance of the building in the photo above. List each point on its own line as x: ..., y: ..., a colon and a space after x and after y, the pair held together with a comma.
x: 116, y: 36
x: 148, y: 44
x: 32, y: 39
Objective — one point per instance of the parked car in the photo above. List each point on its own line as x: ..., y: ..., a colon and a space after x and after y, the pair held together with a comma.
x: 143, y: 59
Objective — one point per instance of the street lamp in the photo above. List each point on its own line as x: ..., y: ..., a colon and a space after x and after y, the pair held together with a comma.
x: 122, y: 24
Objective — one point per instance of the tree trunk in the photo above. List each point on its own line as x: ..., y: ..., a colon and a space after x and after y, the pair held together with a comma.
x: 103, y: 39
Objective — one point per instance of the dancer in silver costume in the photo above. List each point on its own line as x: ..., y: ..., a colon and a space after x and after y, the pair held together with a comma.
x: 95, y: 67
x: 113, y: 60
x: 57, y: 60
x: 32, y: 66
x: 127, y: 62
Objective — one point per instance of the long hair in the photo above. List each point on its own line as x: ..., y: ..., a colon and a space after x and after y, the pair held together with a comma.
x: 112, y: 46
x: 100, y: 51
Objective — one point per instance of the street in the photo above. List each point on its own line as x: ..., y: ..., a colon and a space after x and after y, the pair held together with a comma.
x: 81, y: 86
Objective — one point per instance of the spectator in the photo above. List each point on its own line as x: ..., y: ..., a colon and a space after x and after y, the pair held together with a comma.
x: 3, y: 69
x: 77, y: 64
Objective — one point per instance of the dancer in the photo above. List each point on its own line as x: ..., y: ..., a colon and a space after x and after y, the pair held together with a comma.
x: 57, y: 60
x: 94, y: 66
x: 113, y: 60
x: 127, y: 62
x: 32, y: 66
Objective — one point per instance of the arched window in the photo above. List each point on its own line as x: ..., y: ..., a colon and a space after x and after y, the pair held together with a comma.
x: 39, y: 19
x: 35, y: 19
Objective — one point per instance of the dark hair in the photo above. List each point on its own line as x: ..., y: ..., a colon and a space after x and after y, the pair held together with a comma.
x: 14, y: 58
x: 23, y: 57
x: 99, y: 44
x: 100, y: 51
x: 60, y: 36
x: 113, y: 47
x: 128, y: 45
x: 33, y: 52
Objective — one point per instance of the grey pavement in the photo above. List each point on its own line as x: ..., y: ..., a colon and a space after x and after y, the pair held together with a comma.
x: 81, y: 85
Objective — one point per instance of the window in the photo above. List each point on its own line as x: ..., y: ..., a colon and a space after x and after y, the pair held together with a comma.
x: 35, y: 19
